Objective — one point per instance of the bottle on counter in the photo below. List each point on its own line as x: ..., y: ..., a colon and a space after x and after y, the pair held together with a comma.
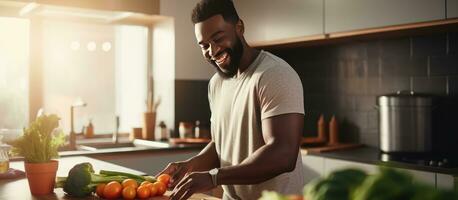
x: 333, y: 131
x: 322, y: 128
x: 186, y: 130
x: 89, y: 130
x: 4, y: 160
x: 163, y: 131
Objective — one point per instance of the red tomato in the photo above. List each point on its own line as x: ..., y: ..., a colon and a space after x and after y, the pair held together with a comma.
x: 112, y: 190
x: 153, y: 190
x: 129, y: 192
x: 164, y: 178
x: 129, y: 182
x: 99, y: 189
x: 143, y: 192
x: 161, y: 188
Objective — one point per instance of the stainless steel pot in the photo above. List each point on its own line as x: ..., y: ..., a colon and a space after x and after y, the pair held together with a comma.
x: 405, y: 122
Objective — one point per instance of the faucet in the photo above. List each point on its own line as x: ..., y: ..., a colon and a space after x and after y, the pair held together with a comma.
x: 116, y: 131
x: 72, y: 138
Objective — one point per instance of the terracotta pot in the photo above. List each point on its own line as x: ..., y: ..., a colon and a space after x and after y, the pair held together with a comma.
x: 41, y: 177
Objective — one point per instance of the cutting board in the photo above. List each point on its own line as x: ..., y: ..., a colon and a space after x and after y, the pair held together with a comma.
x: 197, y: 196
x: 329, y: 148
x: 189, y: 140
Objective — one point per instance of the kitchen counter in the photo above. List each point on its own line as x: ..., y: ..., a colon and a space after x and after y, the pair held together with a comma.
x: 19, y: 189
x: 167, y: 147
x: 370, y: 155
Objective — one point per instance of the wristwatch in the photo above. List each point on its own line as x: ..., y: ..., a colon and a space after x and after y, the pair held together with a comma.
x: 213, y: 173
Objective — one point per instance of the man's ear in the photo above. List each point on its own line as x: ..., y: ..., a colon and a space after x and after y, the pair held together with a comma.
x: 240, y: 27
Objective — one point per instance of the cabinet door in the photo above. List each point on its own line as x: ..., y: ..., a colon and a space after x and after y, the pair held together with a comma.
x: 445, y: 181
x: 331, y: 165
x: 345, y: 15
x: 313, y: 167
x: 280, y: 19
x: 452, y: 9
x: 422, y: 176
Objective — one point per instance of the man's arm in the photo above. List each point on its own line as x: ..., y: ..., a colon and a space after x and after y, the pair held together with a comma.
x: 207, y: 159
x: 282, y: 136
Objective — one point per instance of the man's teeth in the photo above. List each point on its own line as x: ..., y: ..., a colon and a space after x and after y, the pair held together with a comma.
x: 221, y: 58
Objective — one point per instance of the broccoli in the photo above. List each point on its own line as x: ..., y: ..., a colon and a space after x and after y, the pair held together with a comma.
x: 82, y: 180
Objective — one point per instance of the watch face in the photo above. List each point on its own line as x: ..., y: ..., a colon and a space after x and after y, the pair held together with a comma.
x: 213, y: 171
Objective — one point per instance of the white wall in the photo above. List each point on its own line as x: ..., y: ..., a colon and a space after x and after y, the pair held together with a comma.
x: 189, y: 62
x: 164, y: 71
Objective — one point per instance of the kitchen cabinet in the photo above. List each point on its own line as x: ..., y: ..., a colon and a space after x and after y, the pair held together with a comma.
x: 445, y: 181
x: 334, y: 164
x: 275, y: 20
x: 360, y: 14
x: 313, y: 167
x: 452, y: 9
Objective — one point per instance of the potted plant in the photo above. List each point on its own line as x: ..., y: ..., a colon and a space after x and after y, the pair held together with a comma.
x: 38, y: 145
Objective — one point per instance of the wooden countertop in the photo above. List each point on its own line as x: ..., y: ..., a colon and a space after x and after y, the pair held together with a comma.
x: 19, y: 188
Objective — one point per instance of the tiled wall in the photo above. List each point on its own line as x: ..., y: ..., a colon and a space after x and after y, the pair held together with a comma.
x: 345, y: 79
x: 191, y: 102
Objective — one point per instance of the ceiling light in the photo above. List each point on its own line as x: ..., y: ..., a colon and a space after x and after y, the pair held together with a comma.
x: 91, y: 46
x: 106, y: 46
x: 75, y: 45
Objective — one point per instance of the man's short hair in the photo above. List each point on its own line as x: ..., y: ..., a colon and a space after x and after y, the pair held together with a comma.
x: 209, y: 8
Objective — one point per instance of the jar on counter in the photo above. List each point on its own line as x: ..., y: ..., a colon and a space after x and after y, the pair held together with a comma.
x: 4, y: 160
x: 186, y: 129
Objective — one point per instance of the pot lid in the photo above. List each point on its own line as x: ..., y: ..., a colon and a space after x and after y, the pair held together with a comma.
x: 405, y: 98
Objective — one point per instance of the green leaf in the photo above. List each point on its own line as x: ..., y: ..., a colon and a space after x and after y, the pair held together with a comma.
x: 40, y: 140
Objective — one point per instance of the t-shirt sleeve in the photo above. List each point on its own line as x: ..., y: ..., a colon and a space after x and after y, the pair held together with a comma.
x: 280, y: 92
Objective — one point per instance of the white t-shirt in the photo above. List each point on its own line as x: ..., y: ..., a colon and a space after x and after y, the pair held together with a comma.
x: 268, y: 87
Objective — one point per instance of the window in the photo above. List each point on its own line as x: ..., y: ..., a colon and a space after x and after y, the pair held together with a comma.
x: 103, y: 65
x: 14, y: 62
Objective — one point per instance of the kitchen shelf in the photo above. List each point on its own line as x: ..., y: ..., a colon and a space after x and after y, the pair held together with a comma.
x: 361, y: 35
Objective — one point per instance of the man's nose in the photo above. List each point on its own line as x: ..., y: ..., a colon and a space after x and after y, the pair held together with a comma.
x: 214, y: 49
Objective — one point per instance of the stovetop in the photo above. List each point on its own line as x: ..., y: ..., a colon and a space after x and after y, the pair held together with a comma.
x: 429, y: 160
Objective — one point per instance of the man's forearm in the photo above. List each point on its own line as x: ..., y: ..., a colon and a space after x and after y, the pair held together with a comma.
x: 265, y: 163
x: 207, y: 159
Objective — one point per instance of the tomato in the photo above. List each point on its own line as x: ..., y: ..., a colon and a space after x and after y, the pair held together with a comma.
x: 129, y: 182
x: 129, y: 192
x: 112, y: 190
x: 161, y: 188
x: 153, y: 190
x: 143, y: 192
x: 164, y: 178
x: 99, y: 189
x: 144, y: 182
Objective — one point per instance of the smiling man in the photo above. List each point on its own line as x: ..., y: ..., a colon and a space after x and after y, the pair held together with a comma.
x: 257, y: 116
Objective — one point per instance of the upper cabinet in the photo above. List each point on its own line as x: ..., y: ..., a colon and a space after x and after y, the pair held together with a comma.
x: 275, y: 20
x: 346, y: 15
x: 452, y: 9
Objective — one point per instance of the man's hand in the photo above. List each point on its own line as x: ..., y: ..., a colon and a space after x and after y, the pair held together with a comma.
x: 177, y: 171
x: 192, y: 183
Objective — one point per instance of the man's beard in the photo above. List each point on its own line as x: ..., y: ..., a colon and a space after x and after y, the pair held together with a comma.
x: 235, y: 54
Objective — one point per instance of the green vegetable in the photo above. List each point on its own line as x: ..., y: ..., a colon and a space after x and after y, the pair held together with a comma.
x: 138, y: 178
x: 82, y: 180
x: 271, y: 195
x: 388, y: 184
x: 40, y: 141
x: 337, y: 185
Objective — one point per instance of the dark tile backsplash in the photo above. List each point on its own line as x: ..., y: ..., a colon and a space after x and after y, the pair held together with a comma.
x: 191, y: 102
x: 345, y: 79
